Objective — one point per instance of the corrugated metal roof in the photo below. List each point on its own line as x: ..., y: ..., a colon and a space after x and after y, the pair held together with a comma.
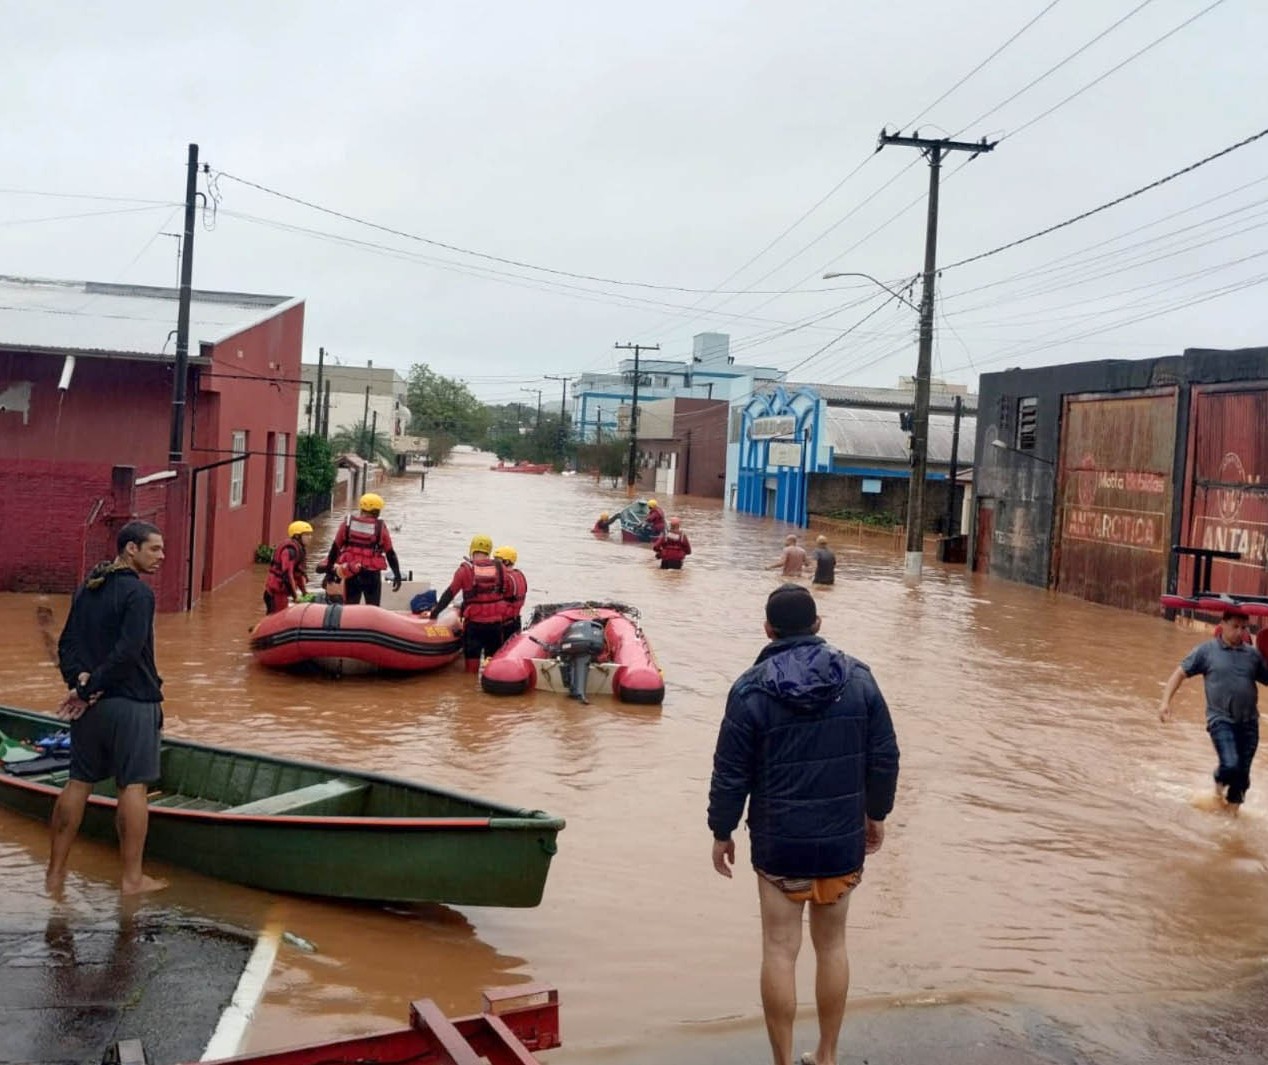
x: 839, y: 395
x: 857, y: 433
x: 86, y: 316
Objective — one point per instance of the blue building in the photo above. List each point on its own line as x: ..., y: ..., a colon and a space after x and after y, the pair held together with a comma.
x: 602, y: 401
x: 798, y: 449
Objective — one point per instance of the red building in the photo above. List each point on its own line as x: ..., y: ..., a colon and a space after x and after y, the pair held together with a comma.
x: 691, y: 459
x: 86, y: 387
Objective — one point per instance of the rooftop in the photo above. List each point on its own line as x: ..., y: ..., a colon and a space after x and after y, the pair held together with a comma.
x: 887, y: 398
x: 859, y: 433
x: 89, y: 317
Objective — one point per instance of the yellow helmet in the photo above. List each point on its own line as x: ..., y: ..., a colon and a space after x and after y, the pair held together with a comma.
x: 652, y: 503
x: 507, y: 554
x: 603, y: 516
x: 371, y: 501
x: 481, y: 545
x: 295, y: 528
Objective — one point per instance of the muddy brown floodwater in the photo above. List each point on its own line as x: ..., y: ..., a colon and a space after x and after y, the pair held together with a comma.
x: 1051, y: 841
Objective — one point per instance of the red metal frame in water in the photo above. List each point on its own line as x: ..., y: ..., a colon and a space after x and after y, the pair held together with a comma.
x: 513, y: 1022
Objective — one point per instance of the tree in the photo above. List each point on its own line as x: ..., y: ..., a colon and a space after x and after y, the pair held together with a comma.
x: 443, y: 407
x: 314, y: 474
x: 610, y: 458
x: 356, y: 439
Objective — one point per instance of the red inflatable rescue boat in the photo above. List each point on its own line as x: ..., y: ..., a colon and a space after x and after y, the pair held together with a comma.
x: 582, y: 649
x: 356, y: 639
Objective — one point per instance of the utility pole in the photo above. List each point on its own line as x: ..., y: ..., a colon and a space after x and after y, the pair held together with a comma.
x: 316, y: 403
x: 933, y: 150
x: 953, y: 525
x: 365, y: 420
x: 632, y: 475
x: 325, y: 413
x: 538, y: 392
x: 374, y: 432
x: 563, y: 403
x: 598, y: 425
x: 176, y: 444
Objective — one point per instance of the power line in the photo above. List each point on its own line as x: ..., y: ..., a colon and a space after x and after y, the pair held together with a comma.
x: 456, y: 248
x: 81, y: 214
x: 1096, y: 81
x: 85, y: 196
x: 1111, y: 203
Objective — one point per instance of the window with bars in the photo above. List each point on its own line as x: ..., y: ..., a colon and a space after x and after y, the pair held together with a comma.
x: 1027, y: 418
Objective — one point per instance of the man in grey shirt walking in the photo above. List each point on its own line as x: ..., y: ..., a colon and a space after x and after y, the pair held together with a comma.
x: 1230, y: 668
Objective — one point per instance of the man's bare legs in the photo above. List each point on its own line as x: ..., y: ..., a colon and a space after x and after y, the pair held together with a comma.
x: 832, y: 974
x: 781, y: 940
x: 68, y: 813
x: 132, y: 821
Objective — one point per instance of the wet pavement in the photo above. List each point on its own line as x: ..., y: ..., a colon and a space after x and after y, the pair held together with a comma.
x: 78, y: 984
x: 1054, y: 880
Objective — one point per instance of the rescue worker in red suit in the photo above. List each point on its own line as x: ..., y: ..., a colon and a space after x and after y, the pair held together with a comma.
x: 482, y: 581
x: 655, y: 519
x: 287, y: 579
x: 601, y: 527
x: 672, y: 546
x: 516, y: 591
x: 364, y: 546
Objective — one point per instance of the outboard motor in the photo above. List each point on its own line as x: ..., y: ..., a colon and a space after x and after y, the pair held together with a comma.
x: 582, y: 643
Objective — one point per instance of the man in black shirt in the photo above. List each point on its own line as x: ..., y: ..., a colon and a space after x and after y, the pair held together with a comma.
x: 106, y: 657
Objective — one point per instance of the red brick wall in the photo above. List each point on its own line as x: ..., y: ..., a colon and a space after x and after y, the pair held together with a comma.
x: 60, y: 519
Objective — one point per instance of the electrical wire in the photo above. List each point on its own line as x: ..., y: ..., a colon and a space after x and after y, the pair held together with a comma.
x: 86, y: 196
x: 82, y: 214
x: 1111, y: 203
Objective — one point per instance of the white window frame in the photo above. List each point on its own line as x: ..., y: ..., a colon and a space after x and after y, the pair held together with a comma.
x: 279, y: 463
x: 238, y: 470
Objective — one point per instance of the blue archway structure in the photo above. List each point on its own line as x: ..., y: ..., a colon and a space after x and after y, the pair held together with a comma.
x: 774, y: 490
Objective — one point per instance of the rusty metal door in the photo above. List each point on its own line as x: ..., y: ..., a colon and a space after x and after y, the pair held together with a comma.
x: 985, y: 535
x: 1225, y: 493
x: 1115, y: 497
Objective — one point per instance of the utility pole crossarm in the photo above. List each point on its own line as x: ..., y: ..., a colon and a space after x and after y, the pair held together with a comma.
x: 925, y: 143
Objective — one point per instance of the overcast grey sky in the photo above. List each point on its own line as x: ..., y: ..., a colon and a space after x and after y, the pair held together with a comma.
x: 662, y: 143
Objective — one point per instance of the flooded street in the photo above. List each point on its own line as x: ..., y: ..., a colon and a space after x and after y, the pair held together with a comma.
x: 1051, y: 842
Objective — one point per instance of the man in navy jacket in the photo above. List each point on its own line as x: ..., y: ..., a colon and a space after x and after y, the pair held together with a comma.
x: 807, y: 739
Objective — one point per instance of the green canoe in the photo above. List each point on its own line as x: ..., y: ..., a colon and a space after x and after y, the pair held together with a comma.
x: 307, y: 828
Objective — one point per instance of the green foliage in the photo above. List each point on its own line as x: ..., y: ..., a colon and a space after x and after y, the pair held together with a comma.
x: 445, y: 411
x: 314, y: 466
x: 356, y: 439
x: 263, y: 553
x: 881, y: 520
x: 610, y: 458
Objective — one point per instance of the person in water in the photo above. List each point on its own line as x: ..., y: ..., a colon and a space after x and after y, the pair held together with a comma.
x: 792, y: 559
x: 602, y: 526
x: 808, y: 741
x: 672, y: 546
x: 1230, y: 669
x: 516, y: 591
x: 655, y: 520
x: 286, y: 580
x: 825, y: 562
x: 482, y: 581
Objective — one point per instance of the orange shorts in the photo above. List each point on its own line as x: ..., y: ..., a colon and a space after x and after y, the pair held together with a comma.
x: 823, y: 891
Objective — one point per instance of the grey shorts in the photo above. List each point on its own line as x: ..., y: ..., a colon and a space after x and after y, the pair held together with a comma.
x: 116, y: 738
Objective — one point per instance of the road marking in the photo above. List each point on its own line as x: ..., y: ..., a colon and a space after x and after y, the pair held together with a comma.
x: 229, y: 1032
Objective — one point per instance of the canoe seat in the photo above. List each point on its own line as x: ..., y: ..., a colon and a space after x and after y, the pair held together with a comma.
x: 290, y: 802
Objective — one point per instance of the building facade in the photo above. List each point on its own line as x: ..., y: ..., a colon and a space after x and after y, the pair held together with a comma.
x: 830, y: 449
x: 86, y: 419
x: 384, y: 406
x: 1089, y: 474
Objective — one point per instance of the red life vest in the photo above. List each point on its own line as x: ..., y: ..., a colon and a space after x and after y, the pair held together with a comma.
x: 363, y: 542
x: 485, y: 601
x: 287, y: 566
x: 516, y: 592
x: 673, y: 547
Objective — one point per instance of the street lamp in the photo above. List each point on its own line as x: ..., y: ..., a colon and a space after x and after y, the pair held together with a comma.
x: 875, y: 281
x: 997, y: 442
